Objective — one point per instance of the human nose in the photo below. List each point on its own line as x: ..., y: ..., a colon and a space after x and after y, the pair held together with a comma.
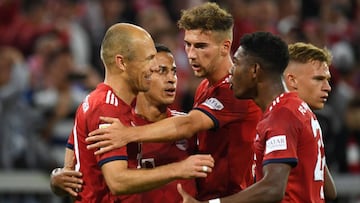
x: 172, y: 78
x: 190, y: 52
x: 327, y: 86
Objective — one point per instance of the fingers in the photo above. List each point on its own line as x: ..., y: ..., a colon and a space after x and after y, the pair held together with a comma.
x: 109, y: 119
x: 71, y: 192
x: 99, y: 143
x: 72, y: 173
x: 180, y: 190
x: 94, y: 133
x: 104, y: 150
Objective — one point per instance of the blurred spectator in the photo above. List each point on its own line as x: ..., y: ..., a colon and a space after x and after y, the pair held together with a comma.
x: 22, y: 22
x: 65, y: 16
x: 348, y: 140
x: 57, y: 101
x: 15, y: 116
x: 98, y: 16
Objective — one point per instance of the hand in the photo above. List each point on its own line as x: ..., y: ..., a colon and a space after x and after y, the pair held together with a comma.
x: 185, y: 196
x: 66, y: 182
x: 107, y: 139
x: 193, y: 166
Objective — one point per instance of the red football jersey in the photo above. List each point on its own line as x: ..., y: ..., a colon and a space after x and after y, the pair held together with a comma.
x: 157, y: 154
x: 230, y: 142
x: 290, y: 133
x: 101, y: 102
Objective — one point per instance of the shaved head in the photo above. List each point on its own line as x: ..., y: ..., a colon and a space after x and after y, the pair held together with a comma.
x: 122, y: 39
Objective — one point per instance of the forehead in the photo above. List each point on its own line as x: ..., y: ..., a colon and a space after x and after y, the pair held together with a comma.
x: 311, y: 68
x: 199, y: 36
x: 164, y: 57
x: 145, y: 48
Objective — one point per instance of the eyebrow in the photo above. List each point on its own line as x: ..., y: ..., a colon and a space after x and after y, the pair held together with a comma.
x: 150, y: 57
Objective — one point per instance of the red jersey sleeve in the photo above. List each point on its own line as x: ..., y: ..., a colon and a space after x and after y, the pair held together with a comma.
x: 107, y: 110
x: 281, y: 138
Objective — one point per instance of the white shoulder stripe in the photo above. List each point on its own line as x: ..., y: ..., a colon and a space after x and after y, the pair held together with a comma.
x: 111, y: 98
x: 76, y: 148
x: 108, y: 97
x: 177, y: 113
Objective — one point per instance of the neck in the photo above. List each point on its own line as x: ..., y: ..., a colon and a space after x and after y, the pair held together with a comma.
x: 149, y: 111
x: 267, y: 92
x: 121, y: 88
x: 223, y: 68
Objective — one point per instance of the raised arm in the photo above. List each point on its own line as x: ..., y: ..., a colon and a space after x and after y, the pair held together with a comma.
x: 170, y: 129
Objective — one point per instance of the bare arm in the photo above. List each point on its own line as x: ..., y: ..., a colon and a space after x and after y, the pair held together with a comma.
x: 271, y: 188
x: 329, y: 185
x: 122, y: 180
x: 170, y: 129
x: 65, y: 181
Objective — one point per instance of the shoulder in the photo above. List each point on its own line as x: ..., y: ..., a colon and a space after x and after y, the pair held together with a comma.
x: 288, y: 106
x: 172, y: 113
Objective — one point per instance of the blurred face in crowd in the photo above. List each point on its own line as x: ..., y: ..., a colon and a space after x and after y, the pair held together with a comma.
x: 310, y: 80
x: 163, y: 85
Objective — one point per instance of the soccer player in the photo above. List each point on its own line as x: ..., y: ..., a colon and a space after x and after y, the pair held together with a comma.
x: 128, y: 54
x: 308, y: 74
x: 151, y: 106
x: 225, y: 126
x: 289, y: 150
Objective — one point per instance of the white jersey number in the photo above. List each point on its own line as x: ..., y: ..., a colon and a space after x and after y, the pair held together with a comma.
x: 320, y: 162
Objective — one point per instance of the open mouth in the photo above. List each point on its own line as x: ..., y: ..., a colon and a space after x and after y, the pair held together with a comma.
x: 324, y: 98
x: 170, y: 91
x: 195, y: 67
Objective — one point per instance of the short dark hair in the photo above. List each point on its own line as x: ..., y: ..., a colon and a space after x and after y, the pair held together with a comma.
x: 269, y: 50
x: 162, y: 48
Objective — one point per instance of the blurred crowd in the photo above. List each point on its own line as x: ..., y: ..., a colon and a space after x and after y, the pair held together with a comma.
x: 49, y: 61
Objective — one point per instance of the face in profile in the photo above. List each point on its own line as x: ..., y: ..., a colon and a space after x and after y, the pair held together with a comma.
x: 311, y: 81
x: 241, y: 80
x: 142, y: 66
x: 163, y: 85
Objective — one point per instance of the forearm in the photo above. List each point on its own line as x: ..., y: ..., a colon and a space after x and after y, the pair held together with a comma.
x: 69, y: 159
x: 271, y: 188
x: 259, y: 192
x: 131, y: 181
x: 329, y: 185
x: 174, y: 128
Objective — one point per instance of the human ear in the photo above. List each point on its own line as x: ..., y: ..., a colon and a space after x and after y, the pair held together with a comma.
x: 290, y: 81
x: 119, y: 60
x: 226, y: 47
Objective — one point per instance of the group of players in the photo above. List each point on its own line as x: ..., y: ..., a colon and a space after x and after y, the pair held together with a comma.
x: 250, y: 137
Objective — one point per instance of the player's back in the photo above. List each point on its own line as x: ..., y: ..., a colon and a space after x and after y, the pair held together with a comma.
x: 289, y: 133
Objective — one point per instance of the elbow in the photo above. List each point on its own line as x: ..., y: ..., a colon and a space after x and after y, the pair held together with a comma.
x: 275, y: 195
x: 273, y: 192
x: 117, y: 189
